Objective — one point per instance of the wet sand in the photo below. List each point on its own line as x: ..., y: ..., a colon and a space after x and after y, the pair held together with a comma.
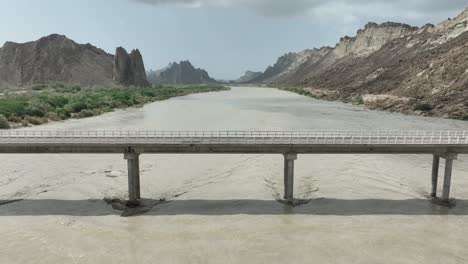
x: 223, y: 208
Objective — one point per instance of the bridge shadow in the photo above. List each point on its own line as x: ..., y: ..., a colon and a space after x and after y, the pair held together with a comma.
x: 321, y: 206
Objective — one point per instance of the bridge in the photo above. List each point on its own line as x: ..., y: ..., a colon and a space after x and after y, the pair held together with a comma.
x: 441, y: 144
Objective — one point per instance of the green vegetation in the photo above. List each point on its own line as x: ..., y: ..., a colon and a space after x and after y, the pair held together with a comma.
x: 300, y: 91
x: 357, y: 100
x: 4, y: 123
x: 59, y: 102
x: 423, y: 107
x: 465, y: 117
x: 39, y: 87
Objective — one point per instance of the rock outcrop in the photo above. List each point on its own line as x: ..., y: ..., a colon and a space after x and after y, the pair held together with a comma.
x: 129, y: 69
x: 58, y: 59
x: 180, y: 73
x: 427, y: 65
x: 371, y: 38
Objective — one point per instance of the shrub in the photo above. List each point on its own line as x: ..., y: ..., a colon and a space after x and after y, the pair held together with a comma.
x: 358, y: 100
x: 37, y: 120
x: 63, y: 113
x: 423, y: 107
x: 76, y: 105
x: 56, y: 100
x: 24, y: 123
x: 13, y: 106
x: 465, y: 117
x: 39, y: 87
x: 85, y: 113
x: 4, y: 123
x: 58, y: 85
x: 61, y: 88
x: 15, y: 119
x: 149, y: 93
x: 37, y: 108
x: 53, y: 116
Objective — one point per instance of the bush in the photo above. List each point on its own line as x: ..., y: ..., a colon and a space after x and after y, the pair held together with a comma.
x: 85, y: 113
x: 39, y: 87
x: 4, y: 123
x: 37, y: 108
x: 37, y: 120
x: 61, y: 88
x: 13, y: 105
x: 24, y: 123
x: 423, y: 107
x: 53, y: 116
x: 63, y: 113
x: 56, y: 100
x: 358, y: 100
x: 465, y: 117
x: 58, y: 85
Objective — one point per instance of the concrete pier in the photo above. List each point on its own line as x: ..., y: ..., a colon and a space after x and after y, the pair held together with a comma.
x: 447, y: 176
x: 289, y: 159
x: 133, y: 163
x: 435, y: 174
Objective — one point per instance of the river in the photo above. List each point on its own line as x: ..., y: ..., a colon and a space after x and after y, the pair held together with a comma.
x: 223, y: 208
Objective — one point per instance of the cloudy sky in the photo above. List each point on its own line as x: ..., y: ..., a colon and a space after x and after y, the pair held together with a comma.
x: 226, y: 37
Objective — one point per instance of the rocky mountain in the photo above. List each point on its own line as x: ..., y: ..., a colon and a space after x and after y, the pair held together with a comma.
x: 389, y: 66
x: 248, y: 77
x: 56, y: 58
x: 287, y: 64
x: 180, y: 73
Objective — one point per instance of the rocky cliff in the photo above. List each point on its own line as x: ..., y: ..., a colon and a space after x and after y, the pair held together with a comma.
x: 180, y: 73
x: 56, y: 58
x: 129, y: 69
x: 392, y: 66
x: 371, y: 38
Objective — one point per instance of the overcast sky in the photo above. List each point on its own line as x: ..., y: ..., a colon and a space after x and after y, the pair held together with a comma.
x: 226, y: 37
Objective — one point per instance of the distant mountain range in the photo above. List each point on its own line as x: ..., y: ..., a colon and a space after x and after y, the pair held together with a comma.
x: 389, y: 66
x: 56, y: 58
x: 180, y: 73
x: 249, y: 76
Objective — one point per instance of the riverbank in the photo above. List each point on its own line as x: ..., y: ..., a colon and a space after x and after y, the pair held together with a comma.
x: 385, y: 102
x: 42, y: 104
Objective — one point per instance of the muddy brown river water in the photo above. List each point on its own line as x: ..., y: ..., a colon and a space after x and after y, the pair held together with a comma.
x: 223, y: 208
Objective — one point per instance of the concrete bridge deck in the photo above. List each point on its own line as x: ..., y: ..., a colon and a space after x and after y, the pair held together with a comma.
x: 441, y: 144
x: 43, y: 141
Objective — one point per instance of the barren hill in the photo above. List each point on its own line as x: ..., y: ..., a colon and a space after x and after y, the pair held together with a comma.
x: 56, y: 58
x: 389, y: 66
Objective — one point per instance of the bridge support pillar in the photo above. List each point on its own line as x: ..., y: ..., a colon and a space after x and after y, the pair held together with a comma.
x: 289, y: 159
x: 449, y: 158
x: 435, y: 174
x: 133, y: 164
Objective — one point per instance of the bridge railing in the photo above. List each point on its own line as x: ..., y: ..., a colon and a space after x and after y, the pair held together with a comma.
x: 235, y: 137
x: 230, y: 133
